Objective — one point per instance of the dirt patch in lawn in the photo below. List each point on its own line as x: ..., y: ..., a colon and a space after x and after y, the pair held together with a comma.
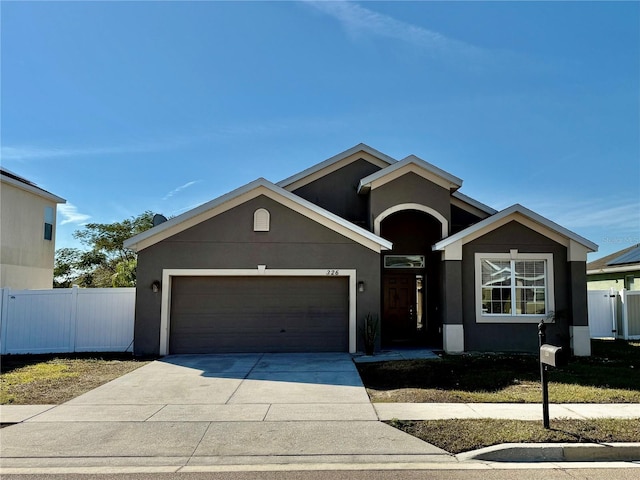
x: 610, y: 375
x: 54, y: 379
x: 456, y: 436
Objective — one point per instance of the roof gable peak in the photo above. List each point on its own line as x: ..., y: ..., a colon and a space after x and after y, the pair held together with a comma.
x: 411, y: 163
x: 260, y: 186
x: 520, y: 214
x: 336, y: 162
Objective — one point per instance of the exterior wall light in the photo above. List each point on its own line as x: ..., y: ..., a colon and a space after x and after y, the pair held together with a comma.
x: 155, y: 286
x: 361, y: 286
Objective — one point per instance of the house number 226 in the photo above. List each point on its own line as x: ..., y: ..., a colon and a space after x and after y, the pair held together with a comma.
x: 333, y: 273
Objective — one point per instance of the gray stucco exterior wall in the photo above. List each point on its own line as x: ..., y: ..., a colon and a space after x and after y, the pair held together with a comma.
x: 461, y: 219
x: 338, y: 192
x: 515, y: 336
x: 228, y: 241
x: 410, y: 188
x: 452, y: 311
x: 578, y: 276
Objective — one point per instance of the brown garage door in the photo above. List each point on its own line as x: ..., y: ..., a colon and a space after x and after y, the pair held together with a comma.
x: 259, y: 314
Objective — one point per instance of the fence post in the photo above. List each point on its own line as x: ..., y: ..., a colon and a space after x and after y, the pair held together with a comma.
x: 613, y: 302
x: 625, y: 313
x: 4, y: 318
x: 74, y: 317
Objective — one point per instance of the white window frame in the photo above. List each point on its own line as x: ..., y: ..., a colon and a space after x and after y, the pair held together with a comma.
x: 422, y: 259
x: 515, y: 318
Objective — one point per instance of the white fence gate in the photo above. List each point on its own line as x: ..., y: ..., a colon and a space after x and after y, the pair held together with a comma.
x: 614, y: 314
x: 67, y: 320
x: 628, y: 314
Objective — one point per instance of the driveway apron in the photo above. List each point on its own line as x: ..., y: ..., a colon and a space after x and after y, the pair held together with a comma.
x: 201, y: 409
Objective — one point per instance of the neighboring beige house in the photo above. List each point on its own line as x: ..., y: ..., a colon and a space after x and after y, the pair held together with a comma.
x: 27, y: 233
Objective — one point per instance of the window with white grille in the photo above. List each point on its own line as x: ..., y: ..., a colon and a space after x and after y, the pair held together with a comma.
x: 515, y: 286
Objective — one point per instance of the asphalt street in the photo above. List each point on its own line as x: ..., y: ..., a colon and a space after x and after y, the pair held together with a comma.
x: 466, y: 474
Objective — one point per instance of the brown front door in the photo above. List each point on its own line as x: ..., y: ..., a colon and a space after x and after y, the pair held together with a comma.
x: 398, y: 308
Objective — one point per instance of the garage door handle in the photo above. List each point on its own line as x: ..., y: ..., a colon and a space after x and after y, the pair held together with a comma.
x: 283, y: 331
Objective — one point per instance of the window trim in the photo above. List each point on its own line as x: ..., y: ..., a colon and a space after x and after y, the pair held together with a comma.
x: 395, y: 255
x: 504, y: 318
x: 168, y: 274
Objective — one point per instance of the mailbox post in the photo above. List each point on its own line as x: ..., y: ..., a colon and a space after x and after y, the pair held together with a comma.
x: 542, y: 337
x: 549, y: 355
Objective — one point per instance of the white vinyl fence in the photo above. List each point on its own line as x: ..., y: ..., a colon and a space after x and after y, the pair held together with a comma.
x: 67, y: 320
x: 614, y: 314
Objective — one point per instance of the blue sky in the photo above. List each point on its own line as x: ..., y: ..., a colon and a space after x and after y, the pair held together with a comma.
x: 122, y: 107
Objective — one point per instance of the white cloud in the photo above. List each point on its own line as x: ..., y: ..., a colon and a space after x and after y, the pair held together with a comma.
x: 179, y: 189
x: 27, y: 152
x: 70, y: 214
x: 358, y: 20
x: 33, y: 152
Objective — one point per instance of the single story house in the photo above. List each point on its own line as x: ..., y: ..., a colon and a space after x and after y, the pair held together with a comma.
x: 298, y: 265
x: 619, y: 270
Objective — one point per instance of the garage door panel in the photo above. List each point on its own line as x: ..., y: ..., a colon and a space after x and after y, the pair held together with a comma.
x: 249, y: 314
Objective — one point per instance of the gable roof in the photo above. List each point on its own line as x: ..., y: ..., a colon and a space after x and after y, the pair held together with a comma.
x: 471, y: 202
x: 11, y: 178
x: 623, y: 260
x: 336, y: 162
x: 406, y: 165
x: 578, y: 246
x: 243, y: 194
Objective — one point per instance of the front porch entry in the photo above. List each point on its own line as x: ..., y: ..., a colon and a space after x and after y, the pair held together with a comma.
x: 411, y: 281
x: 403, y: 307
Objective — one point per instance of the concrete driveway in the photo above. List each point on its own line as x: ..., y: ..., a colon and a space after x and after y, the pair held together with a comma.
x: 218, y: 409
x: 242, y: 387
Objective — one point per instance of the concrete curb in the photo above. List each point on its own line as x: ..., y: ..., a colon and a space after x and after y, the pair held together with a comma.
x: 555, y: 452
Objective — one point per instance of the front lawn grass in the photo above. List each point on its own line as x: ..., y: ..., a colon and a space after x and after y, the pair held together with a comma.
x: 462, y: 435
x: 610, y: 375
x: 54, y: 379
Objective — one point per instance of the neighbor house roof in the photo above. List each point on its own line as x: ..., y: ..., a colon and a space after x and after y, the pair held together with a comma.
x: 246, y: 193
x: 11, y: 178
x: 406, y: 165
x: 578, y: 246
x: 624, y: 260
x: 336, y: 162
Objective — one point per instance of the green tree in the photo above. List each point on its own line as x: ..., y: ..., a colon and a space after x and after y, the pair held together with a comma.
x: 107, y: 263
x: 125, y: 275
x: 65, y: 267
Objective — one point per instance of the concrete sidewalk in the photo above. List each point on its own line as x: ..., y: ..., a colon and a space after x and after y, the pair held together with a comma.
x: 258, y: 436
x: 283, y: 412
x: 516, y: 411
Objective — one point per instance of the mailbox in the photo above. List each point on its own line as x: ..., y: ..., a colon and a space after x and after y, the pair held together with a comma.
x: 552, y: 355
